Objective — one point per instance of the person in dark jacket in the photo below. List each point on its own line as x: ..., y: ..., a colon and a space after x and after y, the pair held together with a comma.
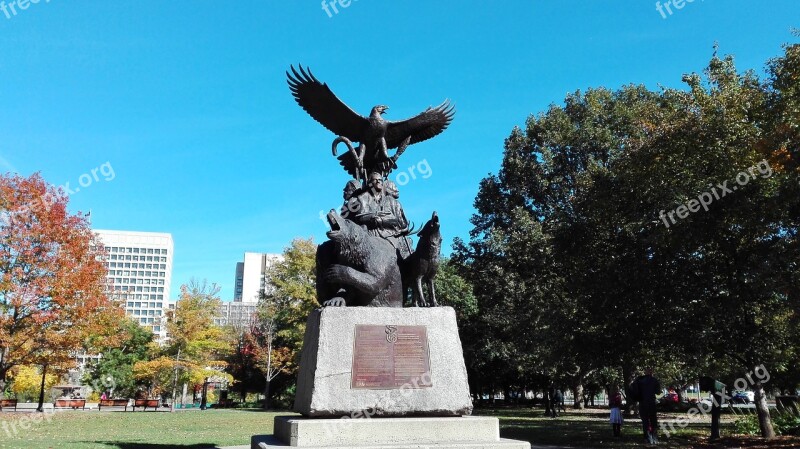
x: 558, y: 401
x: 647, y: 387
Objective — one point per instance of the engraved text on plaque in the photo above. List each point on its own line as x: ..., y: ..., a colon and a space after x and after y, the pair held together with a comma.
x: 386, y: 357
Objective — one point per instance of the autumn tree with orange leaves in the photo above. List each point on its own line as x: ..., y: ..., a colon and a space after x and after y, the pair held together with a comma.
x: 52, y: 300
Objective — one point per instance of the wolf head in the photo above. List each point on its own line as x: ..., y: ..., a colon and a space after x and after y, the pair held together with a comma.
x: 431, y: 230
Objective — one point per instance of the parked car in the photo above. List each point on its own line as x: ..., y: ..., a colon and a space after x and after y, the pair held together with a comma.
x: 707, y: 402
x: 742, y: 397
x: 670, y: 398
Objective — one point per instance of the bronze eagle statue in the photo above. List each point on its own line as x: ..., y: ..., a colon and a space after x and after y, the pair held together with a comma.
x: 374, y: 134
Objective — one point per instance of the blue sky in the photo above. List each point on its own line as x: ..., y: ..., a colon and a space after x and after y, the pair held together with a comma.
x: 186, y: 101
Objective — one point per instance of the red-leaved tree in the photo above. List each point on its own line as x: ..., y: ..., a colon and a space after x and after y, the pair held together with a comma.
x: 51, y: 278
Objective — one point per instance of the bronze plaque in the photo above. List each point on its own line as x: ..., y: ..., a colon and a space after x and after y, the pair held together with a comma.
x: 388, y: 357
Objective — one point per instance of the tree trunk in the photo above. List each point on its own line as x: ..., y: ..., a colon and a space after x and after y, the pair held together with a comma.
x: 175, y: 381
x: 627, y: 379
x: 764, y: 420
x: 266, y: 393
x: 40, y: 408
x: 577, y: 393
x: 681, y: 392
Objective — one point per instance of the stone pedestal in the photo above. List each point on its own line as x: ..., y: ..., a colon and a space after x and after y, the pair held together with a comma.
x: 470, y: 432
x: 341, y: 340
x: 383, y: 378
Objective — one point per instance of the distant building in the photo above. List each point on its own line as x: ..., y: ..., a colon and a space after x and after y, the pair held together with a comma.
x: 139, y: 274
x: 237, y: 314
x: 251, y: 276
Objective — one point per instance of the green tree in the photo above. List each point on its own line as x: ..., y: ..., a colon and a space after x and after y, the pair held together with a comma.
x: 578, y: 222
x: 196, y: 345
x: 454, y: 291
x: 114, y: 371
x: 292, y: 297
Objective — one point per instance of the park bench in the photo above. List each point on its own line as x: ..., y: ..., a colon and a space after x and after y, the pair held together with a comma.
x: 70, y: 403
x: 8, y: 403
x: 152, y: 403
x: 113, y: 403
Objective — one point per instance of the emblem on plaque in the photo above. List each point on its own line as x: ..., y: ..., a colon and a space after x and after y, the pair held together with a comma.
x: 391, y: 334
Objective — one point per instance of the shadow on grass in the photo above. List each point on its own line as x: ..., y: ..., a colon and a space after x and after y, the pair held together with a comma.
x: 126, y: 445
x: 260, y: 410
x: 574, y: 430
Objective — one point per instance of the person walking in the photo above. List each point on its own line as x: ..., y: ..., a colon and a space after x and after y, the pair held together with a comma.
x: 615, y: 402
x: 558, y: 401
x: 647, y: 387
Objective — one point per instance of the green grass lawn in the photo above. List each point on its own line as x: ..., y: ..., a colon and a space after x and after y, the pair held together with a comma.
x: 137, y: 430
x: 217, y: 428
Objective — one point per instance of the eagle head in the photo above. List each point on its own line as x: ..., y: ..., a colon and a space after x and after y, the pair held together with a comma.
x: 379, y: 110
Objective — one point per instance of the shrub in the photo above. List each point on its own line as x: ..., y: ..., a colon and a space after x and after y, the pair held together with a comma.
x: 747, y: 425
x: 786, y: 423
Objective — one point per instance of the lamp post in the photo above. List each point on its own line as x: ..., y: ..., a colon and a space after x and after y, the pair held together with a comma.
x: 203, y: 398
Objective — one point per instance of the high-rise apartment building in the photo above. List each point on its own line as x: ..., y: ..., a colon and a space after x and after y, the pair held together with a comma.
x: 139, y: 274
x: 251, y: 276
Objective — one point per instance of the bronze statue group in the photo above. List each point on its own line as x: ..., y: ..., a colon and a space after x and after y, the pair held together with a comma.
x: 370, y: 259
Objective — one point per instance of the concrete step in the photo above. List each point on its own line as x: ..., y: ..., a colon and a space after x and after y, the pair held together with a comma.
x: 471, y: 432
x: 308, y: 432
x: 270, y: 442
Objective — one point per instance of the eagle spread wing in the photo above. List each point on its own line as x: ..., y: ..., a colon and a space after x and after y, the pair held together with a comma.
x: 319, y: 101
x: 422, y: 127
